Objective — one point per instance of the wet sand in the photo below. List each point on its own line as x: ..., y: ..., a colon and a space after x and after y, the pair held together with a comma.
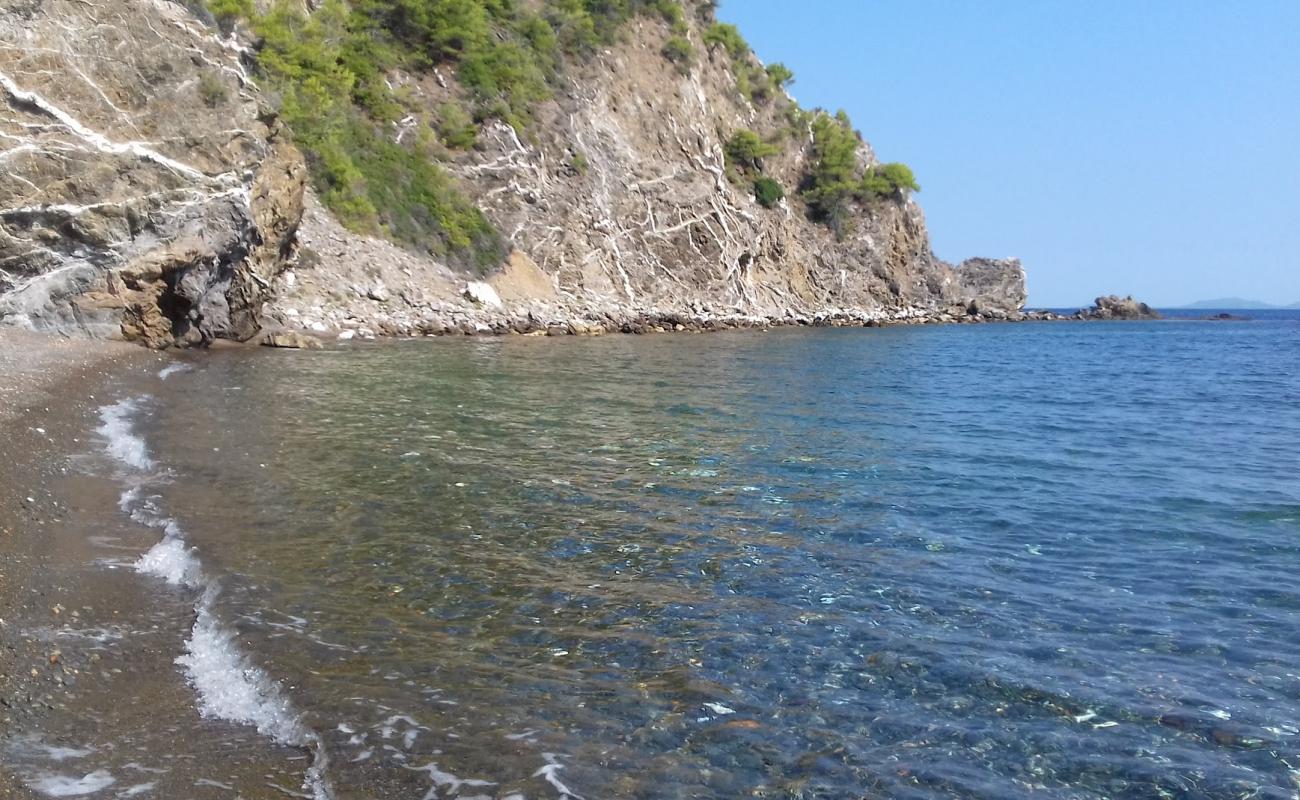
x: 46, y: 388
x: 90, y: 694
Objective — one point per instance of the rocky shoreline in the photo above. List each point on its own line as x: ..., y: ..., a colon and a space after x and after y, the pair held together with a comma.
x: 447, y: 320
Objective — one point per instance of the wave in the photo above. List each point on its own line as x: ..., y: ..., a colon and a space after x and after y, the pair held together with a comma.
x: 124, y: 444
x: 228, y: 685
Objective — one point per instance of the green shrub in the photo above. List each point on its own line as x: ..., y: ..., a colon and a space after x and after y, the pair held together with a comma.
x: 768, y: 192
x: 679, y: 51
x: 753, y: 83
x: 874, y: 185
x: 888, y: 179
x: 743, y: 85
x: 899, y: 176
x: 745, y: 149
x: 836, y: 178
x: 227, y: 12
x: 833, y: 181
x: 575, y: 29
x: 670, y: 10
x: 780, y: 75
x: 327, y: 90
x: 728, y: 36
x: 212, y: 90
x: 579, y: 162
x: 456, y: 128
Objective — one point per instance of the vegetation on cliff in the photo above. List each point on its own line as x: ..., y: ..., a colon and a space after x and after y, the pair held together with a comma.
x: 837, y: 177
x: 375, y: 155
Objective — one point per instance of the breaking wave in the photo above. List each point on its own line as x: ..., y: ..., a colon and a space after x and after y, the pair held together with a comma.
x: 229, y: 686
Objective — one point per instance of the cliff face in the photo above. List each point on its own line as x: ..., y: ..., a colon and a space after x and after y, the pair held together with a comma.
x: 149, y: 190
x: 145, y: 190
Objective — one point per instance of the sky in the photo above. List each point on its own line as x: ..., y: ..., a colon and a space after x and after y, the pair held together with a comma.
x: 1147, y: 147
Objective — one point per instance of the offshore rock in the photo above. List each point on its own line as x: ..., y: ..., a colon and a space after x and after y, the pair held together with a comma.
x: 145, y: 192
x: 1115, y: 307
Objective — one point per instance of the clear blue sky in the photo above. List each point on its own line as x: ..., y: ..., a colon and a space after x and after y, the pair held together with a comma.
x: 1149, y: 147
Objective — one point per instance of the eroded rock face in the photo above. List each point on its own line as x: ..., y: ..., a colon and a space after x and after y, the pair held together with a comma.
x: 147, y: 192
x: 144, y: 191
x: 987, y: 284
x: 653, y: 220
x: 649, y: 224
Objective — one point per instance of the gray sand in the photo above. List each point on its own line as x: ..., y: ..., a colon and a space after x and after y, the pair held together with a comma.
x: 120, y: 701
x: 44, y: 386
x: 33, y: 364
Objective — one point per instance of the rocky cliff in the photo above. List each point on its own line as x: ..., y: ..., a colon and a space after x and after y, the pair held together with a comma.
x: 149, y: 190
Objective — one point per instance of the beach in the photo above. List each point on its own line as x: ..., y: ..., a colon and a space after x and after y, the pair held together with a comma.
x: 47, y: 407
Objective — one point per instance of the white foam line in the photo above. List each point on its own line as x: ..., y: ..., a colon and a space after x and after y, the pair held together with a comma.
x: 63, y: 786
x: 172, y: 560
x: 124, y: 444
x: 549, y: 772
x: 228, y: 684
x: 171, y: 369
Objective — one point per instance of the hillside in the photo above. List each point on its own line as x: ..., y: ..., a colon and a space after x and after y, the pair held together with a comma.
x: 177, y: 173
x: 1236, y: 303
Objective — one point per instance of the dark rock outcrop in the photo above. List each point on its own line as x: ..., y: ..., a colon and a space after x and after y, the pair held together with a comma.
x: 145, y: 193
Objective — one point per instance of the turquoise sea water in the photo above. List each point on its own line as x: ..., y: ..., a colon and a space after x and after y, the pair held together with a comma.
x: 997, y: 561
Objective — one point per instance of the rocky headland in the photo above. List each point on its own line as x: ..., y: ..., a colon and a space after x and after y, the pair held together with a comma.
x: 153, y: 191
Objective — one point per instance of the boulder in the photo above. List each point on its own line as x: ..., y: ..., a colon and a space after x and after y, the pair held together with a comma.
x: 289, y: 339
x: 482, y: 294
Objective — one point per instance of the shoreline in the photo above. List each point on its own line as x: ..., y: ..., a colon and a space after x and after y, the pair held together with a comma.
x: 90, y: 682
x: 547, y: 320
x: 46, y: 407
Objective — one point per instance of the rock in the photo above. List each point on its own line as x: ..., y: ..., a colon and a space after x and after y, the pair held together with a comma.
x: 141, y: 208
x: 522, y: 280
x: 182, y: 210
x: 988, y: 284
x: 483, y: 294
x: 1115, y: 307
x: 289, y: 339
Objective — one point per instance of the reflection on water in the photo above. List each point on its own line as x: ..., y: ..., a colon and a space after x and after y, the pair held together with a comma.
x: 1052, y: 560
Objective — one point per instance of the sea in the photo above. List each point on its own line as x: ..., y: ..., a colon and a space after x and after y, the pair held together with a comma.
x: 1038, y: 560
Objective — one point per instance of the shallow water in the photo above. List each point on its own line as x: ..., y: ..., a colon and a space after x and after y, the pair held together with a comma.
x: 997, y: 561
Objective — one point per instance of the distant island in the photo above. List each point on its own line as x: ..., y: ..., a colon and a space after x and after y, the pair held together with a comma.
x: 1236, y: 303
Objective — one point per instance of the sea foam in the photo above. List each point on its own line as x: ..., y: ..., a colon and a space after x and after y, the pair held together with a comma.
x: 63, y: 786
x: 172, y: 560
x: 228, y: 684
x: 124, y: 444
x: 171, y: 369
x: 230, y: 687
